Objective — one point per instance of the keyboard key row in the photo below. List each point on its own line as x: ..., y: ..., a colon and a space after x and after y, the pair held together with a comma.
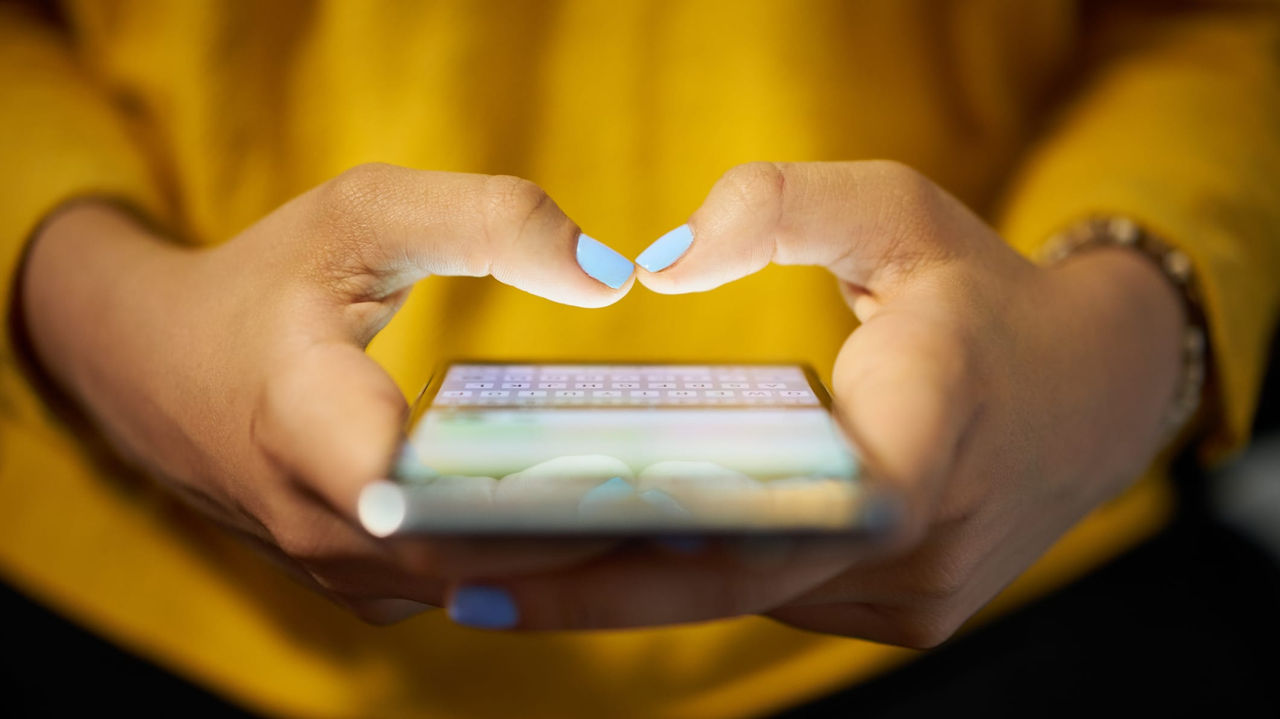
x: 620, y: 385
x: 639, y: 394
x: 619, y: 401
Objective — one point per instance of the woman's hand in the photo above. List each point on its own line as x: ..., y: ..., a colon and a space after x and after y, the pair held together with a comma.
x: 237, y: 375
x: 1003, y: 401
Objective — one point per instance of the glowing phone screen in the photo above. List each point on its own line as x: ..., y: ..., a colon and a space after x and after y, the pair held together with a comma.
x: 610, y: 448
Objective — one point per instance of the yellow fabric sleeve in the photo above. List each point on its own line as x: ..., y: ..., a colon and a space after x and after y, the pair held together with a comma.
x: 59, y: 139
x: 1178, y: 127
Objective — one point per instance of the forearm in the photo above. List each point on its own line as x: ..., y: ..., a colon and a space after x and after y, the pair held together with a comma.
x: 95, y: 290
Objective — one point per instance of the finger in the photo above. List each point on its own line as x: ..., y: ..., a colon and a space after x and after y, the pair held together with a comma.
x: 398, y: 225
x: 388, y: 611
x: 332, y: 421
x: 327, y: 555
x: 918, y: 600
x: 937, y: 570
x: 644, y: 588
x: 868, y: 222
x: 345, y: 562
x: 905, y: 394
x: 332, y: 417
x: 860, y: 620
x: 366, y: 600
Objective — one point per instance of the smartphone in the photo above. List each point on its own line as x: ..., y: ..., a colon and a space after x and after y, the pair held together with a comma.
x: 623, y: 449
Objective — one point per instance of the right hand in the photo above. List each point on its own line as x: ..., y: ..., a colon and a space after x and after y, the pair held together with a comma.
x: 237, y: 376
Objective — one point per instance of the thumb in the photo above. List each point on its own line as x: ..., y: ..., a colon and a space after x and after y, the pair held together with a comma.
x: 333, y: 417
x: 387, y: 227
x: 869, y: 222
x: 904, y: 390
x: 887, y: 233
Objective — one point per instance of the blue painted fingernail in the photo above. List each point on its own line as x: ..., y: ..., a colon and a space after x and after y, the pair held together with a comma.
x: 601, y: 262
x: 666, y: 249
x: 483, y: 608
x: 605, y: 494
x: 664, y: 502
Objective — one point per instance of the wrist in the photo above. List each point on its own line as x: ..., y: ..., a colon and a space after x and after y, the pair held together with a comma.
x: 1177, y: 269
x: 1125, y: 323
x: 93, y: 276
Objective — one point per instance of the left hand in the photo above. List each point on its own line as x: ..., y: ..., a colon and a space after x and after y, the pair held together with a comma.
x: 1002, y: 400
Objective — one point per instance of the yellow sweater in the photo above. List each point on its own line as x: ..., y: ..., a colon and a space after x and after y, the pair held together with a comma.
x: 208, y: 114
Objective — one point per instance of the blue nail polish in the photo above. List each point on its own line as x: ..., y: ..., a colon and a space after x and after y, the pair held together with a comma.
x: 664, y: 502
x: 602, y: 263
x: 483, y: 608
x: 666, y: 249
x: 607, y: 493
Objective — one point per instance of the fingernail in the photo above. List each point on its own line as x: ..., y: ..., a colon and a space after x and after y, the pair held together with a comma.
x: 382, y: 508
x: 483, y: 608
x: 601, y: 262
x: 663, y: 502
x: 605, y: 494
x: 666, y: 249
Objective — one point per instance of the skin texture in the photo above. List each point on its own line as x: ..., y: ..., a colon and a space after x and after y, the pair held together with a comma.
x: 1002, y: 399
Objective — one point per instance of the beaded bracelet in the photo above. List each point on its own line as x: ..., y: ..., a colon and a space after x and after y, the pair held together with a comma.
x: 1176, y: 266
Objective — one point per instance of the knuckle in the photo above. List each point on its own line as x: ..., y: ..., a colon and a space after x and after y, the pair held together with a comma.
x: 913, y: 210
x: 346, y: 219
x: 898, y: 174
x: 911, y: 190
x: 757, y: 184
x: 511, y: 202
x: 356, y: 191
x: 514, y: 197
x: 511, y: 206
